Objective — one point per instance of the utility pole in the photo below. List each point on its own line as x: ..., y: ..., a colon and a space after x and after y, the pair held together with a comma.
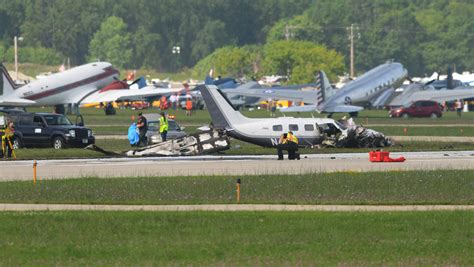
x: 15, y: 49
x: 351, y: 38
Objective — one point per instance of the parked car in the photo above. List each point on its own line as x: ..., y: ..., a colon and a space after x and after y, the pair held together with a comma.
x: 49, y: 130
x: 422, y: 108
x: 153, y: 133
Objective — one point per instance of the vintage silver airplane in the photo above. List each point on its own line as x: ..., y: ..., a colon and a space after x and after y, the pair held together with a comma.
x: 89, y: 83
x: 70, y: 86
x: 370, y: 89
x: 266, y: 131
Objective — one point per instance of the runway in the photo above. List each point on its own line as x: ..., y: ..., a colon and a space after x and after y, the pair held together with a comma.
x: 229, y: 165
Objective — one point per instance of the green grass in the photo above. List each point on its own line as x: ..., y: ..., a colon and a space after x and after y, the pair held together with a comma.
x: 455, y: 131
x: 236, y: 238
x: 412, y: 187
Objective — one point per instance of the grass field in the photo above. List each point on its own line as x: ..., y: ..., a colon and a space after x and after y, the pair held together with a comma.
x: 236, y: 238
x: 413, y: 187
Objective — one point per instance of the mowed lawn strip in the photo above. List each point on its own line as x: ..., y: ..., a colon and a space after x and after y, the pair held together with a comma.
x: 374, y: 188
x: 236, y: 238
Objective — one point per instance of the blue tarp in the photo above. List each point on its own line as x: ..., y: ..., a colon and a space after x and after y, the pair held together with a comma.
x: 133, y: 135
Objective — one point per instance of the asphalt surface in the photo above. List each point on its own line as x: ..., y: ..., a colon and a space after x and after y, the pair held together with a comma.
x: 234, y: 207
x: 229, y: 165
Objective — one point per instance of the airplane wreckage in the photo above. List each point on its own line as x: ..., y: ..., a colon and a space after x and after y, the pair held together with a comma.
x: 214, y: 141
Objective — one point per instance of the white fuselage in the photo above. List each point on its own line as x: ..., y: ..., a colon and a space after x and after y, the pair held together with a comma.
x: 266, y: 132
x: 70, y: 86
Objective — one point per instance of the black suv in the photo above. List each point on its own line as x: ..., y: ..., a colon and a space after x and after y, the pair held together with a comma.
x: 47, y: 129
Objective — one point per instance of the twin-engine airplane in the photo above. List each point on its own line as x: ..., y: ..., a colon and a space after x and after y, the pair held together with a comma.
x: 89, y: 83
x: 264, y: 131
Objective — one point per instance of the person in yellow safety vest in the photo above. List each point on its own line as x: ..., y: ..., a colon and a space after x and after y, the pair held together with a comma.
x: 7, y: 140
x: 282, y: 145
x: 163, y: 126
x: 292, y: 146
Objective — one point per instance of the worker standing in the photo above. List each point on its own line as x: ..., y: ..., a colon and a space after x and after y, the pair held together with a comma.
x: 189, y: 106
x: 7, y: 140
x: 163, y: 126
x: 142, y: 126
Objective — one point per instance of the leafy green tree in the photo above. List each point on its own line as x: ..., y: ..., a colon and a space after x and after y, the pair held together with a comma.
x: 230, y: 61
x: 300, y: 60
x: 38, y: 55
x: 212, y: 36
x: 111, y: 43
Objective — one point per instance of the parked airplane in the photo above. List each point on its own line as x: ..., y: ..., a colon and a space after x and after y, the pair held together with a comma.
x: 70, y: 86
x: 417, y: 91
x: 79, y: 85
x: 372, y: 88
x: 264, y: 131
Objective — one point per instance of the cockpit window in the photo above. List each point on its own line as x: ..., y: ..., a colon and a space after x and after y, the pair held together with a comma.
x: 329, y: 128
x: 341, y: 126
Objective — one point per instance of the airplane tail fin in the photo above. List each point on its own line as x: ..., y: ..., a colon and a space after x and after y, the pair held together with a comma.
x: 222, y: 112
x: 325, y: 90
x: 6, y: 82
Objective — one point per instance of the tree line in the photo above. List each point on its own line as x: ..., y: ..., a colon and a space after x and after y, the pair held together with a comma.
x: 243, y: 37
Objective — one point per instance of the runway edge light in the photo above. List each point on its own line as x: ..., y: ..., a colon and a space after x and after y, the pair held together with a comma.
x: 34, y: 172
x: 238, y: 189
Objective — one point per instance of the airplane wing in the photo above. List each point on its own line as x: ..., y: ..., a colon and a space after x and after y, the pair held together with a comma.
x: 128, y: 94
x: 20, y: 102
x: 292, y: 95
x: 305, y: 108
x: 437, y: 95
x: 342, y: 109
x: 330, y: 109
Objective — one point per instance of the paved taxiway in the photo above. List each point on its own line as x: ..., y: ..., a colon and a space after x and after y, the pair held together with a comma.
x: 229, y: 165
x: 231, y: 207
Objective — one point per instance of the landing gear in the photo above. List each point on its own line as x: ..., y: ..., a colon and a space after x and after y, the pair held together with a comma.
x: 72, y: 109
x: 59, y: 109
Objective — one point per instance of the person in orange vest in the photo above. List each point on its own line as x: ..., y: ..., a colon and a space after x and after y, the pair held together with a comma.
x: 163, y: 103
x: 189, y: 106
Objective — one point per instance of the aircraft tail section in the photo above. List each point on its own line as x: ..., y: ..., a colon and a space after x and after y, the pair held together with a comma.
x: 6, y: 82
x: 222, y: 112
x: 7, y: 94
x: 324, y: 88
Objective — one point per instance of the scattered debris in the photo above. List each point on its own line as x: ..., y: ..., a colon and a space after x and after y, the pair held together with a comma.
x: 356, y: 137
x: 195, y: 144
